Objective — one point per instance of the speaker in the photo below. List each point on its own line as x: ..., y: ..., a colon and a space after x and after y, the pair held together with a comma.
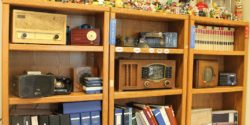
x: 32, y: 86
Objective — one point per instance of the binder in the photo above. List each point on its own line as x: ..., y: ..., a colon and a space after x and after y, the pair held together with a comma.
x: 96, y: 118
x: 127, y: 114
x: 34, y: 120
x: 16, y: 120
x: 54, y: 120
x: 43, y: 120
x: 79, y: 107
x: 75, y: 119
x: 26, y: 120
x: 85, y: 118
x: 64, y: 119
x: 118, y: 116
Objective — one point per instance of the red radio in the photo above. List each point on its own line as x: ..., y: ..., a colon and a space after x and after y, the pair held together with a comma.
x: 85, y: 37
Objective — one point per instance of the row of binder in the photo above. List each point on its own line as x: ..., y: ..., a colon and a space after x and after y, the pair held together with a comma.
x: 87, y: 118
x: 140, y: 114
x: 214, y: 38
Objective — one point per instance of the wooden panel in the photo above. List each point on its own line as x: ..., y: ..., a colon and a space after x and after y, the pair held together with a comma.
x: 59, y: 6
x: 217, y: 90
x: 149, y: 51
x: 220, y: 22
x: 5, y: 64
x: 228, y: 53
x: 213, y: 101
x: 146, y: 15
x: 56, y: 48
x: 146, y: 93
x: 73, y: 97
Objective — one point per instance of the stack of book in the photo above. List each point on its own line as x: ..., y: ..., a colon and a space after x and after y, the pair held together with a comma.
x: 214, y: 38
x: 83, y: 113
x: 92, y: 85
x: 140, y: 114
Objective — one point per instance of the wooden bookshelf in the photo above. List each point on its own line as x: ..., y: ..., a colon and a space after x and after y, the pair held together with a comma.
x: 220, y: 98
x: 57, y: 59
x: 130, y: 22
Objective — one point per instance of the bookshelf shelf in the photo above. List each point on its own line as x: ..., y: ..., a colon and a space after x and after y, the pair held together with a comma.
x: 217, y: 22
x: 148, y: 50
x: 58, y: 6
x: 55, y: 48
x: 73, y: 97
x: 146, y: 93
x: 217, y: 90
x: 219, y: 53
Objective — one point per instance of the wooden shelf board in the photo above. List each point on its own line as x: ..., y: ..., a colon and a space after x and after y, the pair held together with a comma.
x: 221, y: 22
x: 73, y: 97
x: 217, y: 90
x: 146, y: 93
x: 226, y: 53
x: 146, y: 15
x: 149, y: 51
x: 59, y: 48
x: 58, y: 6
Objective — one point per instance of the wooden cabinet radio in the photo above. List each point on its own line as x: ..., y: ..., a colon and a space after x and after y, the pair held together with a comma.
x: 146, y: 74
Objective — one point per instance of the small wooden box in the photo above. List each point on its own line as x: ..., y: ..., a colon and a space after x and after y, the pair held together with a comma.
x: 206, y: 73
x: 88, y: 37
x: 146, y: 74
x: 38, y: 27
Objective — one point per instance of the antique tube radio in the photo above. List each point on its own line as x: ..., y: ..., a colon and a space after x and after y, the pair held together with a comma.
x: 38, y: 27
x: 146, y: 74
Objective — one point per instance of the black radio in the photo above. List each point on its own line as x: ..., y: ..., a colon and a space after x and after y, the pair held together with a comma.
x: 227, y: 79
x: 63, y: 85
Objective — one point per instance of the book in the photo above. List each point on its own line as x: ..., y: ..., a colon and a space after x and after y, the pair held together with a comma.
x: 75, y: 119
x: 85, y: 118
x: 127, y: 114
x: 16, y: 120
x: 147, y: 112
x: 118, y: 116
x: 163, y: 113
x: 143, y: 118
x: 170, y: 114
x: 26, y: 120
x: 138, y: 118
x: 79, y: 107
x: 95, y: 118
x: 158, y: 116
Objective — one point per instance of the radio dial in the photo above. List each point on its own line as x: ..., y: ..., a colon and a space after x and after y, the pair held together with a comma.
x: 166, y: 83
x: 56, y: 37
x: 24, y: 35
x: 146, y: 84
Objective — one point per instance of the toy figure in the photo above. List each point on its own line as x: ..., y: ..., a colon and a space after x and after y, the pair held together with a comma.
x: 238, y: 10
x: 202, y: 7
x: 119, y: 3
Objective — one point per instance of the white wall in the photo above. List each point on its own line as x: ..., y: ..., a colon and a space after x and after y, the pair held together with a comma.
x: 0, y: 62
x: 247, y: 17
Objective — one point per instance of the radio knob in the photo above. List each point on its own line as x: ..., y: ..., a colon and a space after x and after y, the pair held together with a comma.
x: 56, y: 37
x: 166, y: 83
x: 24, y: 35
x: 146, y: 84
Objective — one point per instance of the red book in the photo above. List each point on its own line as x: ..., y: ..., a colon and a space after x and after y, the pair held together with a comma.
x: 171, y: 116
x: 152, y: 115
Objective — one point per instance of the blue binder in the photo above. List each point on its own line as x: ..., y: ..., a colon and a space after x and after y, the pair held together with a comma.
x: 79, y: 107
x: 158, y: 116
x: 192, y: 37
x: 75, y: 119
x: 85, y: 118
x: 118, y: 114
x: 96, y: 118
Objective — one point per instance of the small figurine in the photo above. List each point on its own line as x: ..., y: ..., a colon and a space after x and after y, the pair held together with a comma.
x: 202, y: 7
x: 239, y: 10
x: 119, y: 3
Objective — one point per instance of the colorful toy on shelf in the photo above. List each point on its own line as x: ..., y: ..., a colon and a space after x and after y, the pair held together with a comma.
x: 238, y: 10
x: 203, y: 9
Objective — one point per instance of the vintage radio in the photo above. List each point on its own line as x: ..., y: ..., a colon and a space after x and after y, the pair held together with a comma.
x: 63, y: 85
x: 38, y: 27
x: 32, y: 86
x: 146, y: 74
x: 227, y: 79
x: 159, y: 40
x: 206, y: 73
x: 86, y: 35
